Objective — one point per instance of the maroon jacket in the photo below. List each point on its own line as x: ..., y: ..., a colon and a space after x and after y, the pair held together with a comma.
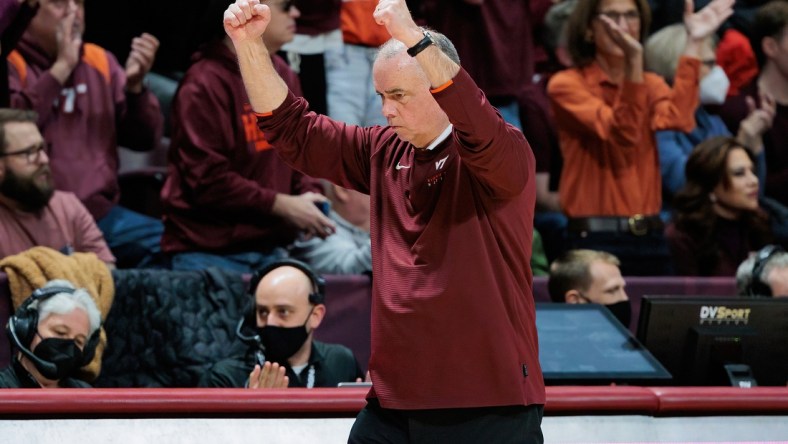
x: 222, y: 173
x: 85, y: 119
x: 453, y: 319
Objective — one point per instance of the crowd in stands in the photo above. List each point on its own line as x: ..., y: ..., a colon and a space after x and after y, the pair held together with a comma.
x: 612, y: 108
x: 659, y: 129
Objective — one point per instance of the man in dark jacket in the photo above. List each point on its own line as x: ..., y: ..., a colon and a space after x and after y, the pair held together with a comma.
x: 281, y: 352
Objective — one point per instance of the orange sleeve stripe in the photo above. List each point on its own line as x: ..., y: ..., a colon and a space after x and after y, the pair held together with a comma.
x: 268, y: 114
x: 16, y: 59
x: 442, y: 87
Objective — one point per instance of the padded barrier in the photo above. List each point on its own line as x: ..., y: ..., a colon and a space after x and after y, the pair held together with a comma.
x: 348, y: 300
x: 346, y: 402
x: 675, y: 401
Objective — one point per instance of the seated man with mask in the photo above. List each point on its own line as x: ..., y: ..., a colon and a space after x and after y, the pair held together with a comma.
x: 590, y: 277
x: 278, y: 332
x: 56, y: 331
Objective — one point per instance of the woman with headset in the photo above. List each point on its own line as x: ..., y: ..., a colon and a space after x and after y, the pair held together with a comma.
x: 55, y: 331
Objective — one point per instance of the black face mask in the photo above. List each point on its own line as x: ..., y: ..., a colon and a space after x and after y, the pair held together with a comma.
x: 622, y: 311
x: 64, y: 353
x: 282, y: 342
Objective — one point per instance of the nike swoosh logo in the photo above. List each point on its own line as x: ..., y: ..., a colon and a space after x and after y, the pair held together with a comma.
x: 399, y: 167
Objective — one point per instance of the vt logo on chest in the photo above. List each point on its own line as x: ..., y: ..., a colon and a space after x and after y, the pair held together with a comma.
x: 254, y: 137
x: 440, y: 172
x: 68, y: 96
x: 433, y: 176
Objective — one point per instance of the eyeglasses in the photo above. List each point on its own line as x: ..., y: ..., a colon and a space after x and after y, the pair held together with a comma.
x: 32, y: 154
x: 284, y: 6
x: 630, y: 16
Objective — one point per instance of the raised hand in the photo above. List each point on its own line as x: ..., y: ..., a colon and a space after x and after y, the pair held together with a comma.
x: 268, y: 376
x: 246, y: 20
x: 395, y: 16
x: 705, y: 22
x: 69, y: 42
x: 757, y: 122
x: 140, y: 60
x: 622, y: 38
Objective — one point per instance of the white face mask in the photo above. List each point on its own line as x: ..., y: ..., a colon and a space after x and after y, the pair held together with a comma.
x: 714, y: 87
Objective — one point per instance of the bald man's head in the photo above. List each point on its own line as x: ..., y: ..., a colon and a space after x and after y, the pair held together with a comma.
x: 282, y: 299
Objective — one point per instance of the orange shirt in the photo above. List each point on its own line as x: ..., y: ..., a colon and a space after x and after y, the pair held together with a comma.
x: 606, y: 132
x: 358, y: 26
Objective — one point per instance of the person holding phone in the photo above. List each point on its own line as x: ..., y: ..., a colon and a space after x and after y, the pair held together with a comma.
x: 229, y: 201
x: 348, y: 250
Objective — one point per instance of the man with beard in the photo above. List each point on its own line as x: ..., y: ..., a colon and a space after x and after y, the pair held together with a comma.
x: 88, y: 105
x: 32, y: 213
x: 280, y: 351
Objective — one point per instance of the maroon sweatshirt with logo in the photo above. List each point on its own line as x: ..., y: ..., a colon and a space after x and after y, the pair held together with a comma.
x: 85, y: 119
x: 453, y: 318
x: 222, y: 173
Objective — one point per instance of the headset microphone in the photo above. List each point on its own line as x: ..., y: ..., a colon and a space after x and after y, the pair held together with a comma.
x: 259, y: 353
x: 42, y: 365
x: 249, y: 339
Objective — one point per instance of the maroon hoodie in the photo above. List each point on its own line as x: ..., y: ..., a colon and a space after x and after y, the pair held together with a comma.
x: 85, y: 119
x: 493, y: 40
x: 317, y: 16
x: 222, y: 173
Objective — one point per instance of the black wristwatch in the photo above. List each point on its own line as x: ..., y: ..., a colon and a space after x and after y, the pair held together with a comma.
x: 414, y: 50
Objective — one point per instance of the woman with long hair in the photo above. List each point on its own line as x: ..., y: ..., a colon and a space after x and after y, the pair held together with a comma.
x: 718, y: 220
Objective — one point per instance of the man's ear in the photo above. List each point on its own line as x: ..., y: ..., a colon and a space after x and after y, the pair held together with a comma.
x: 318, y: 313
x: 769, y: 47
x: 572, y: 297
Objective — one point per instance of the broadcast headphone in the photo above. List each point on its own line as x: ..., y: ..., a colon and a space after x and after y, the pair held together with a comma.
x: 757, y: 287
x: 248, y: 322
x: 23, y: 325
